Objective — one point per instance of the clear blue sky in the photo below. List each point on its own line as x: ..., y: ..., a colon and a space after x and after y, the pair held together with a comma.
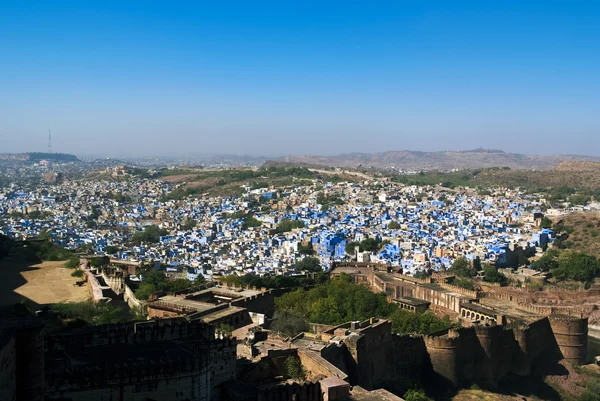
x: 271, y: 78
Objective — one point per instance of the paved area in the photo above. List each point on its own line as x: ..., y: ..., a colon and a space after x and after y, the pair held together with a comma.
x: 44, y: 283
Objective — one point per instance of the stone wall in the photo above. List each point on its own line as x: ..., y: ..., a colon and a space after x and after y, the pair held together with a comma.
x: 132, y: 301
x: 571, y: 336
x: 169, y: 381
x: 307, y: 391
x: 8, y: 366
x: 314, y: 365
x: 116, y: 283
x: 261, y: 303
x: 197, y: 364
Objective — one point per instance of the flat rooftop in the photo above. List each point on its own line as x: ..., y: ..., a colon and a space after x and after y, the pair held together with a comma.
x: 191, y: 304
x: 412, y: 301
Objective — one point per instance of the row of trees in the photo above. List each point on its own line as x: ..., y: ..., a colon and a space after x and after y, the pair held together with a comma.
x: 465, y: 270
x: 156, y: 281
x: 279, y: 282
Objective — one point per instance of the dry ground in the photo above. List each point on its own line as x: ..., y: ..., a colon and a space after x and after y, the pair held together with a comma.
x: 44, y: 283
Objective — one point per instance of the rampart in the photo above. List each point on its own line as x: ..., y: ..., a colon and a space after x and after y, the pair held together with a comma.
x: 143, y: 359
x: 116, y: 283
x: 486, y: 353
x: 306, y: 391
x: 132, y: 301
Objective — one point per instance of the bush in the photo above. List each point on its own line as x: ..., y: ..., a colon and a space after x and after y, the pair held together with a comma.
x: 77, y: 273
x: 294, y: 368
x: 416, y: 395
x: 89, y: 312
x: 72, y: 263
x: 465, y: 283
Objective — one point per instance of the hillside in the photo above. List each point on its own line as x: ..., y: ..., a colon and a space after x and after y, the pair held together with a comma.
x: 584, y: 231
x: 37, y: 156
x: 444, y: 160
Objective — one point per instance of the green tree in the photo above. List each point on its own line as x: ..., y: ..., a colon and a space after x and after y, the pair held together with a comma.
x: 492, y: 275
x: 369, y: 245
x: 306, y: 249
x: 290, y: 323
x: 310, y: 264
x: 546, y: 222
x: 416, y: 395
x: 286, y: 225
x: 251, y: 222
x: 145, y: 290
x: 576, y: 266
x: 151, y: 234
x: 72, y: 263
x: 111, y: 249
x: 394, y: 225
x: 89, y: 312
x: 350, y: 246
x: 547, y: 262
x: 462, y: 268
x: 294, y: 369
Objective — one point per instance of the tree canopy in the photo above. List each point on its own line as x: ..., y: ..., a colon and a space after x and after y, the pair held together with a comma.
x: 462, y: 268
x: 310, y: 264
x: 338, y: 301
x: 492, y: 275
x: 286, y: 225
x: 151, y: 234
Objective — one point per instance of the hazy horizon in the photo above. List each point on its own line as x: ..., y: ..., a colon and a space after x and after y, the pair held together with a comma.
x: 271, y: 79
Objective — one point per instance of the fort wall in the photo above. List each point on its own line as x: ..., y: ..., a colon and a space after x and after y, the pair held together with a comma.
x: 132, y: 301
x: 306, y: 391
x: 8, y: 366
x: 571, y: 336
x: 116, y: 283
x: 314, y: 365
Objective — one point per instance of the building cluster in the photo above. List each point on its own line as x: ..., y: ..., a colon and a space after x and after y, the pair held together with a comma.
x: 415, y: 228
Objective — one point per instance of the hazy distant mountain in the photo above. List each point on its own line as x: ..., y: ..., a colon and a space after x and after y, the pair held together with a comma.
x: 444, y: 160
x: 38, y: 156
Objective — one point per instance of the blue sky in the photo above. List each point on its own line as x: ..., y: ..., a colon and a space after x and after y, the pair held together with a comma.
x: 273, y: 78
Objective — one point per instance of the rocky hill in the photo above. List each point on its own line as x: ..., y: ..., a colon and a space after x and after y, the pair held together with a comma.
x: 445, y: 160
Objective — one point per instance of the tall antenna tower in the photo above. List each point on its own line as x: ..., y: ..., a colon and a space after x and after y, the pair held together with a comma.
x: 49, y: 142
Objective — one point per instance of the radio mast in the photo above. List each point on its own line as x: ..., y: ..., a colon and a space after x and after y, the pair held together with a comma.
x: 49, y: 141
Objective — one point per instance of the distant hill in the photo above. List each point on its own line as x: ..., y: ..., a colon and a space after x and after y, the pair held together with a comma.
x: 55, y: 157
x: 37, y: 156
x: 444, y: 160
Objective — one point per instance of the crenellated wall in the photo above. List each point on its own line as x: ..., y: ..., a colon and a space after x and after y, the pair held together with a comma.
x: 170, y: 358
x: 306, y: 391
